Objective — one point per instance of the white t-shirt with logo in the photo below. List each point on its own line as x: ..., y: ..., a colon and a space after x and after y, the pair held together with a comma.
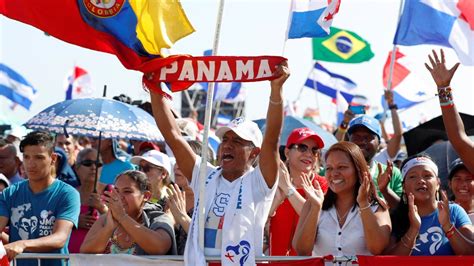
x: 262, y: 196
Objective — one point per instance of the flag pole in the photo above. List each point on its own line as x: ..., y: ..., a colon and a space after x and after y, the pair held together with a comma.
x: 392, y: 61
x: 287, y: 28
x: 207, y: 122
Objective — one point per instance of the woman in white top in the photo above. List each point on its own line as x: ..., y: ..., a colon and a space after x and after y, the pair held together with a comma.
x: 351, y: 219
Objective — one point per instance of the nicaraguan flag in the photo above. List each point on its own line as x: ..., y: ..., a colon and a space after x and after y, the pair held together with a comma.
x: 330, y: 84
x: 311, y: 18
x: 15, y: 87
x: 448, y: 23
x: 78, y: 84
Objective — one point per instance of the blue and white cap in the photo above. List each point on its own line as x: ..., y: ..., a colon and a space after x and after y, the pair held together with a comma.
x: 368, y: 122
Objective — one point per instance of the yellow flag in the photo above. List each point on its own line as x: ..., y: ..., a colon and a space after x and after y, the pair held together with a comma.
x: 160, y: 23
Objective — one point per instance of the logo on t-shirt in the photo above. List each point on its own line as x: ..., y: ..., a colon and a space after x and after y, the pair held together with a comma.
x: 27, y: 224
x: 238, y: 252
x: 432, y: 237
x: 221, y: 201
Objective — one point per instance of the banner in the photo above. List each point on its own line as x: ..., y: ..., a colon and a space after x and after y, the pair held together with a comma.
x: 183, y: 71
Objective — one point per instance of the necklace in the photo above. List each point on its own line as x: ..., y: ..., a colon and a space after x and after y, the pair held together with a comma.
x: 342, y: 219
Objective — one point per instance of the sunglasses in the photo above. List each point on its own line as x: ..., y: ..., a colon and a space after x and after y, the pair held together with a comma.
x: 146, y: 168
x: 89, y: 163
x: 303, y: 148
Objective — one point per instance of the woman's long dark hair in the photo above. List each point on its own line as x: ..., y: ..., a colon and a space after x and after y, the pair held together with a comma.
x: 399, y: 216
x: 357, y: 158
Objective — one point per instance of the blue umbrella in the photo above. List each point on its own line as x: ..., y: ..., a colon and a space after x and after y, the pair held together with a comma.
x: 292, y: 122
x: 97, y: 116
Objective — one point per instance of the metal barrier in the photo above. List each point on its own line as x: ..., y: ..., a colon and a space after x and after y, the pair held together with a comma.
x: 344, y: 260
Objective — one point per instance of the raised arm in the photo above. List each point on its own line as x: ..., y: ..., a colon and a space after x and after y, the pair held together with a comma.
x: 166, y: 122
x: 307, y: 228
x: 451, y: 118
x: 342, y: 129
x: 393, y: 144
x: 377, y: 225
x: 269, y: 156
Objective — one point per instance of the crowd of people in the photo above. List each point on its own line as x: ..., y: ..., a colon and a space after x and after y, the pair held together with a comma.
x: 359, y: 197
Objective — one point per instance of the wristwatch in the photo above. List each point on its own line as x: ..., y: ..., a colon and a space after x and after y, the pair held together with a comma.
x: 291, y: 191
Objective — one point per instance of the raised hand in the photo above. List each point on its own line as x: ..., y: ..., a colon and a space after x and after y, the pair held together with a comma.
x: 413, y: 216
x: 314, y: 195
x: 114, y: 204
x: 441, y: 75
x: 284, y: 181
x: 443, y: 211
x: 281, y: 73
x: 177, y: 202
x: 364, y: 191
x: 383, y: 179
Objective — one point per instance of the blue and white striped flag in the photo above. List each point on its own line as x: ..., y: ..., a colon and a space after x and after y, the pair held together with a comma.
x: 330, y: 84
x: 15, y: 87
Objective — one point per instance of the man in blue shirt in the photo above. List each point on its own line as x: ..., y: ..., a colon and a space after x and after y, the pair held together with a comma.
x: 40, y: 211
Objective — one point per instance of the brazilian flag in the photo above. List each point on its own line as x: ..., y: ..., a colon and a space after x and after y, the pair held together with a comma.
x: 342, y: 46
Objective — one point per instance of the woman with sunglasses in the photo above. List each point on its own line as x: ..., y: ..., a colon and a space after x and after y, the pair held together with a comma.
x: 91, y: 205
x: 157, y: 167
x: 424, y: 223
x: 132, y: 224
x: 302, y: 153
x: 350, y: 219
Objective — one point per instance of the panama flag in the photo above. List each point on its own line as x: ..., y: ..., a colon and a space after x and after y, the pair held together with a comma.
x: 311, y: 18
x: 448, y: 23
x: 78, y: 84
x: 408, y: 90
x: 15, y: 87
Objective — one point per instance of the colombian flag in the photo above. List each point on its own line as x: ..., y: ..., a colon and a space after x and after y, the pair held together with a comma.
x: 342, y: 46
x: 133, y: 30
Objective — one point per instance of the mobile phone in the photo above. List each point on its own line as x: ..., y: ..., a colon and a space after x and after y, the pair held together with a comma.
x: 357, y: 109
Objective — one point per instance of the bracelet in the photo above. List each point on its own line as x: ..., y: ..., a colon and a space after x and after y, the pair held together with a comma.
x: 364, y: 208
x: 448, y: 104
x: 445, y: 95
x: 450, y: 231
x: 393, y: 107
x: 275, y: 103
x: 291, y: 191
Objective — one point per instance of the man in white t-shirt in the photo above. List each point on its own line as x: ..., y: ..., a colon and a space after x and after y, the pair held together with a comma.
x: 238, y: 197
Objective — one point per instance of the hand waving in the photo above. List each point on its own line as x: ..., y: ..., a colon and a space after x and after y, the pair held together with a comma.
x: 383, y: 179
x: 364, y: 191
x: 415, y: 219
x: 441, y: 75
x: 443, y: 210
x: 314, y: 195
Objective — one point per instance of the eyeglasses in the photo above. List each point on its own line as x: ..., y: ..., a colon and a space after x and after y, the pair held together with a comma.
x: 89, y: 163
x: 146, y: 168
x: 303, y: 148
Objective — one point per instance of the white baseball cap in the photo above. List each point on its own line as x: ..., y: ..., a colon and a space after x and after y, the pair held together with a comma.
x: 245, y: 129
x: 154, y: 157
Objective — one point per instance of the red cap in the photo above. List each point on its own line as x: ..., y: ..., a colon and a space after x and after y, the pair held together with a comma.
x: 300, y: 134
